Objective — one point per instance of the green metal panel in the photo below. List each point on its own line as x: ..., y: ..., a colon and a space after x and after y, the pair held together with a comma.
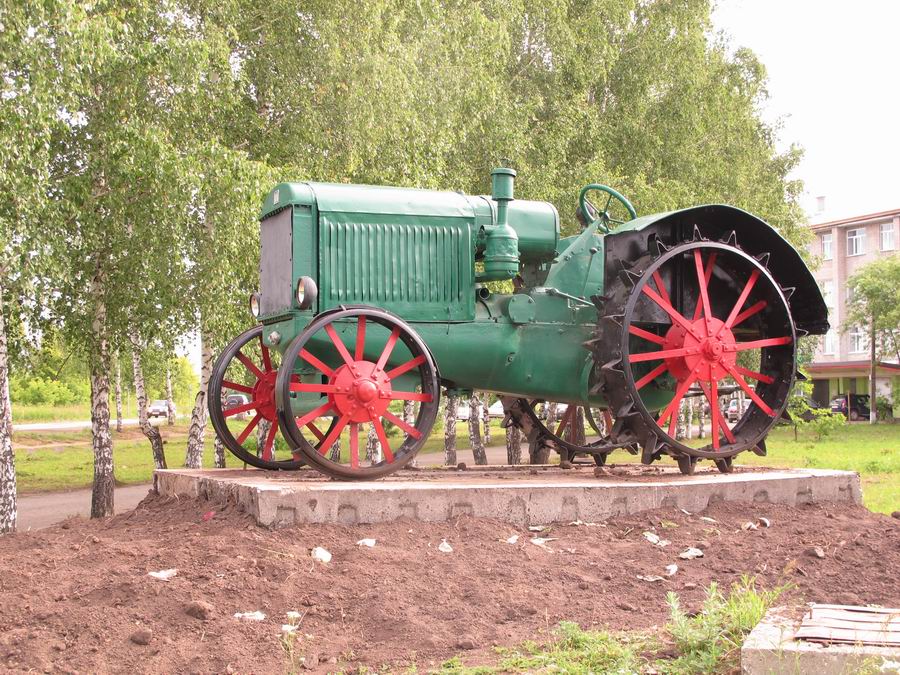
x: 420, y: 267
x: 305, y: 245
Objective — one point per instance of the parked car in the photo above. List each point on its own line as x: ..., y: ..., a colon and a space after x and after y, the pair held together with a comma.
x: 495, y: 410
x: 158, y: 408
x: 852, y: 406
x: 233, y: 401
x: 735, y: 409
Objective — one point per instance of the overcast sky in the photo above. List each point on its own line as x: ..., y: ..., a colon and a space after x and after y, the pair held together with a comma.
x: 834, y: 81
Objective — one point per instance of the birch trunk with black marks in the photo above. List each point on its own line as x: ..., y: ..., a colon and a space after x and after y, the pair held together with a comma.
x: 150, y: 431
x: 486, y: 417
x: 475, y: 430
x: 262, y: 430
x: 118, y: 394
x: 335, y: 454
x: 689, y: 427
x: 219, y: 458
x: 170, y: 404
x: 409, y: 416
x: 701, y: 418
x: 450, y: 429
x: 8, y: 508
x: 373, y: 447
x: 193, y: 458
x: 103, y: 493
x: 513, y: 445
x: 551, y: 415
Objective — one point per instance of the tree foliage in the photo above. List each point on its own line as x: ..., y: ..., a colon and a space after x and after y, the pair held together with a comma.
x: 875, y: 299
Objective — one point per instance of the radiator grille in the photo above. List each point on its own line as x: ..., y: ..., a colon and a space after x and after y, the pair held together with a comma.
x: 275, y: 273
x: 421, y: 270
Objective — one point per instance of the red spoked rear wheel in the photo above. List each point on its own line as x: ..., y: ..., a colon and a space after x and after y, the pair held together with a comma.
x: 242, y: 404
x: 363, y: 363
x: 707, y: 318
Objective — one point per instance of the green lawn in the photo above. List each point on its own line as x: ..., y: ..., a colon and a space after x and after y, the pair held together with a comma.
x: 64, y: 460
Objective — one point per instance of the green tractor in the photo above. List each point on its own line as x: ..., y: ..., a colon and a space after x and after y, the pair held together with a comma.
x: 372, y: 298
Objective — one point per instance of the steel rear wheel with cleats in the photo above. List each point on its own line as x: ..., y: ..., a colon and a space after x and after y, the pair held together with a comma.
x: 361, y: 364
x: 699, y: 315
x: 242, y: 398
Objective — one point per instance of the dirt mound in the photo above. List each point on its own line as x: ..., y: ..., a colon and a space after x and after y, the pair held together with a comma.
x: 77, y: 596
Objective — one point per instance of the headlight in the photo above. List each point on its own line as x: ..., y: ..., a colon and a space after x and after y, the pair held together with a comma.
x: 254, y: 304
x: 306, y: 292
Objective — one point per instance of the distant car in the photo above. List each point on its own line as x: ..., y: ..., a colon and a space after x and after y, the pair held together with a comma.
x: 735, y: 410
x: 158, y: 408
x: 495, y: 410
x: 234, y: 401
x: 852, y: 406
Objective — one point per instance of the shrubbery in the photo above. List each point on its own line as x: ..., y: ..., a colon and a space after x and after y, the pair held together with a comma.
x: 43, y: 391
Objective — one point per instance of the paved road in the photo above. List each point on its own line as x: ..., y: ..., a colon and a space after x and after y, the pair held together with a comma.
x: 65, y: 426
x: 43, y: 510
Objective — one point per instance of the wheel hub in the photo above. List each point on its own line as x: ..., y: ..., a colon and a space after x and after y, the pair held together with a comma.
x: 361, y: 391
x: 264, y: 395
x: 710, y: 348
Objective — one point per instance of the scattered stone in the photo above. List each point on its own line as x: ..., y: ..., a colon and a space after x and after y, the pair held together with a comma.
x: 601, y: 471
x: 815, y: 552
x: 513, y: 539
x: 583, y: 585
x: 565, y: 464
x: 95, y: 539
x: 199, y: 610
x: 163, y: 575
x: 690, y: 553
x: 650, y: 577
x: 66, y: 525
x: 250, y: 616
x: 142, y: 636
x: 461, y: 466
x: 765, y: 522
x: 703, y: 544
x: 366, y: 542
x: 896, y: 514
x: 671, y: 569
x: 749, y: 526
x: 626, y: 606
x: 444, y: 547
x: 321, y: 555
x: 689, y: 586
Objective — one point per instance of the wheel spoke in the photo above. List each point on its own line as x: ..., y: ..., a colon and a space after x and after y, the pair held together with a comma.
x: 652, y: 375
x: 675, y: 402
x: 704, y: 291
x: 228, y: 384
x: 382, y: 438
x: 339, y: 345
x: 313, y: 414
x: 267, y: 361
x: 707, y: 275
x: 759, y: 344
x: 746, y: 372
x: 250, y: 427
x: 360, y: 337
x: 408, y: 428
x: 750, y: 311
x: 714, y: 410
x: 661, y: 287
x: 742, y: 383
x: 647, y: 335
x: 241, y: 409
x: 316, y: 388
x: 742, y: 298
x: 409, y: 365
x: 564, y: 421
x: 312, y: 360
x: 661, y: 354
x: 410, y: 396
x: 669, y: 309
x: 722, y: 423
x: 267, y: 453
x: 354, y: 439
x: 315, y: 431
x: 334, y: 434
x: 388, y: 348
x: 249, y: 365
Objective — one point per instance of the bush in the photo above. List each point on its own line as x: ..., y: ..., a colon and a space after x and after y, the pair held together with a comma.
x: 41, y: 391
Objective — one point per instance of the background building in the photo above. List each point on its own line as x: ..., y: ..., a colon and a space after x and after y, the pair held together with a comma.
x: 841, y: 362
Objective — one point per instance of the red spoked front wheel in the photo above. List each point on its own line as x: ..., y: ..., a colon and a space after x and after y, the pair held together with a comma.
x: 359, y: 365
x: 242, y: 404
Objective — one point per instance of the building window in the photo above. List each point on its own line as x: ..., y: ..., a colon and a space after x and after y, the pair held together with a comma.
x: 859, y: 340
x: 856, y: 241
x: 887, y: 236
x: 830, y: 342
x: 826, y: 246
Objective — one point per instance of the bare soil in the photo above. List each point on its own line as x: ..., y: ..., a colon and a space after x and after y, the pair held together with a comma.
x: 77, y: 597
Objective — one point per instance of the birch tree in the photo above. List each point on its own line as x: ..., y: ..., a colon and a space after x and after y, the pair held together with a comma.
x: 475, y: 430
x: 451, y: 413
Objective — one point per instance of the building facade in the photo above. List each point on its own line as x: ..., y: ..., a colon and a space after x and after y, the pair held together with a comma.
x: 841, y: 362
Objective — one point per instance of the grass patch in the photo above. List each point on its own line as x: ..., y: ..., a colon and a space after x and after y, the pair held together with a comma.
x: 64, y: 460
x: 707, y: 642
